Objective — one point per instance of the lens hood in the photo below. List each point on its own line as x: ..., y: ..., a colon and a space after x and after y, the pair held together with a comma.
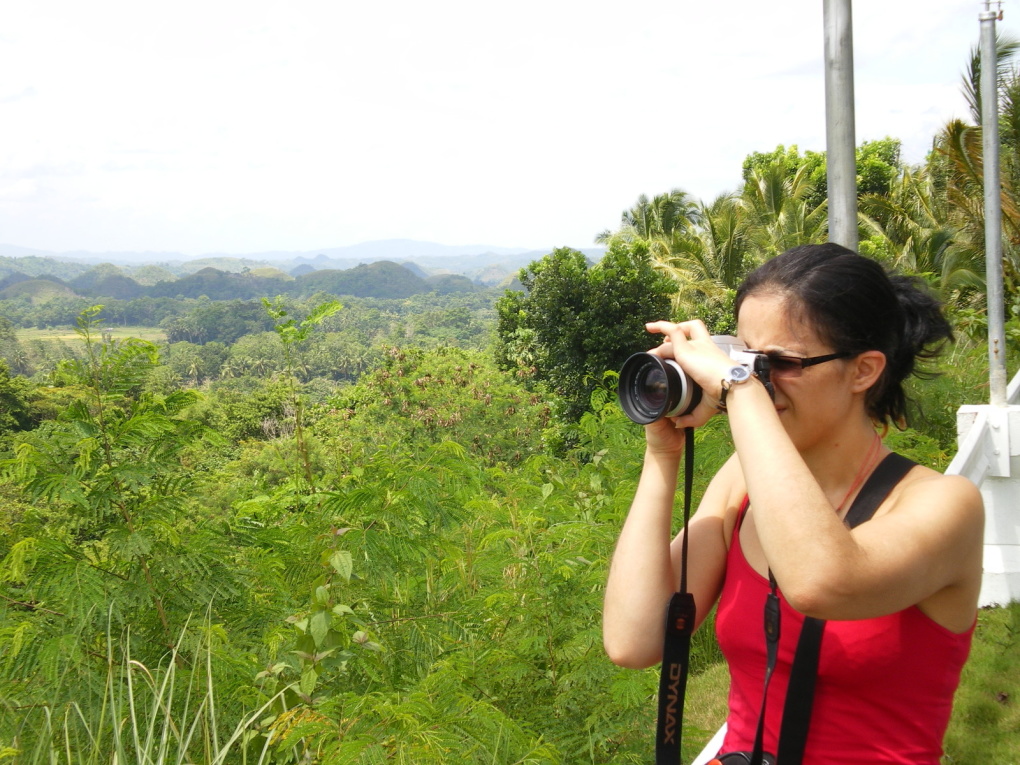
x: 652, y: 387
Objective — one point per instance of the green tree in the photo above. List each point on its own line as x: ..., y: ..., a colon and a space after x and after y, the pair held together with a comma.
x: 878, y: 166
x: 244, y: 408
x: 110, y: 488
x: 707, y: 265
x: 955, y: 172
x: 421, y: 397
x: 912, y: 228
x: 17, y: 411
x: 779, y: 211
x: 788, y: 162
x: 260, y: 354
x: 574, y: 321
x: 293, y: 333
x: 666, y: 214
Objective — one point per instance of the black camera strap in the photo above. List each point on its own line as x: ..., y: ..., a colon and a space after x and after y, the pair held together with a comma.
x: 676, y: 649
x: 771, y: 622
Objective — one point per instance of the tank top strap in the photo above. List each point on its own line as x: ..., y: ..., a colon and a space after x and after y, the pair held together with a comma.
x: 741, y: 513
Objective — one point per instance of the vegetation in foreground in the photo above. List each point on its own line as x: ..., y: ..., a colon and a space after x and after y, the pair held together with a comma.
x: 414, y: 576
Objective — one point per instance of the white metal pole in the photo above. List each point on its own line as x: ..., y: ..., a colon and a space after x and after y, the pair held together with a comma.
x: 993, y: 207
x: 840, y: 140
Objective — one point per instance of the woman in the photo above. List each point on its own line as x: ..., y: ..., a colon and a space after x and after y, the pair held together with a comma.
x: 899, y: 592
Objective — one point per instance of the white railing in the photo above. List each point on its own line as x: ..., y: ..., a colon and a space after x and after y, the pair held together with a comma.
x: 989, y: 455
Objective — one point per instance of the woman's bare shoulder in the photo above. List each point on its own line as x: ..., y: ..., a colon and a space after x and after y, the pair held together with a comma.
x: 943, y: 515
x: 924, y: 490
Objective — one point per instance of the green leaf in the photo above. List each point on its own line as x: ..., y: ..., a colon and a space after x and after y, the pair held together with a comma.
x: 342, y: 563
x: 361, y: 639
x: 309, y: 677
x: 319, y: 626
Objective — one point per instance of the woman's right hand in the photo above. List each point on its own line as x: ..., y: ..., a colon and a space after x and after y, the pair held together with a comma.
x: 665, y: 436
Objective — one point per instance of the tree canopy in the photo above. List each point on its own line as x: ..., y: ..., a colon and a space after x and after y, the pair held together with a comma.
x: 574, y: 321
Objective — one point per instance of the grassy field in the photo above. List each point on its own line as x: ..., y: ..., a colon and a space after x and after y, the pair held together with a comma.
x: 68, y: 335
x: 986, y: 713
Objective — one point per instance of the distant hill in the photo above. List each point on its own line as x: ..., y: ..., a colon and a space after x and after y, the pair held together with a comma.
x: 35, y: 265
x: 395, y: 268
x: 414, y: 268
x: 37, y: 290
x: 446, y: 284
x: 106, y: 280
x: 221, y: 285
x: 382, y: 279
x: 269, y: 272
x: 220, y: 263
x: 481, y: 263
x: 149, y: 275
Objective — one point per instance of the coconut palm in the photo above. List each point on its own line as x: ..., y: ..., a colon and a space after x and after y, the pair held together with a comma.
x: 708, y: 261
x: 911, y: 228
x: 659, y: 218
x: 778, y: 214
x: 1005, y: 48
x: 958, y: 163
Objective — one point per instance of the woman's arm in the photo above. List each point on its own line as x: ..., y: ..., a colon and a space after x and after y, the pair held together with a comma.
x: 645, y: 570
x: 925, y: 539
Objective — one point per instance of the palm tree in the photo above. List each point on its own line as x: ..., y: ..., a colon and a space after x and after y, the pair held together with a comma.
x: 708, y: 249
x: 911, y: 227
x: 708, y: 261
x: 230, y: 368
x: 777, y: 210
x: 1005, y: 49
x: 958, y: 166
x: 657, y: 219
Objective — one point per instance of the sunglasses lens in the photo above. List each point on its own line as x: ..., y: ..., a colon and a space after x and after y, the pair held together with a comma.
x: 785, y: 365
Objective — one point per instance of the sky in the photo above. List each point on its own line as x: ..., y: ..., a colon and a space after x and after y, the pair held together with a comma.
x: 244, y: 127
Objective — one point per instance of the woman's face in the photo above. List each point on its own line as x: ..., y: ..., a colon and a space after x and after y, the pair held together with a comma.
x: 813, y: 401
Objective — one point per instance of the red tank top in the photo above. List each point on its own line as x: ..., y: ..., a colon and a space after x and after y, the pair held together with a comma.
x: 885, y: 686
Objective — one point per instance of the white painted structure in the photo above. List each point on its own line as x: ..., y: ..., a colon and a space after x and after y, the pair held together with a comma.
x: 989, y: 455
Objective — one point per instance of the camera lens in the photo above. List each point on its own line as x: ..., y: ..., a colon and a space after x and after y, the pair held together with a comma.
x: 651, y: 387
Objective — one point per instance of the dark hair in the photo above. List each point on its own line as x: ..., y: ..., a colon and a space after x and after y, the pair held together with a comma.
x: 856, y: 306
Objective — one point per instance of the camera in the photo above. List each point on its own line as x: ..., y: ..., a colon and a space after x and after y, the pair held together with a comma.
x: 652, y: 387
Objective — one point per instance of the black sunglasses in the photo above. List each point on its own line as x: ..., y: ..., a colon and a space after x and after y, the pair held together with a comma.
x: 790, y: 364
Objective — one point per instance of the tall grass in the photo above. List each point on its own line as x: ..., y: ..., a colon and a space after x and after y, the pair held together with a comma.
x: 160, y: 715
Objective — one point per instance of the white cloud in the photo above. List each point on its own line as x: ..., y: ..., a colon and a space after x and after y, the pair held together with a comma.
x: 240, y: 127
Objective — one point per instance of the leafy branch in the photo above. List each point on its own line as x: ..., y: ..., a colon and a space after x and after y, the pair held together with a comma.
x: 292, y: 334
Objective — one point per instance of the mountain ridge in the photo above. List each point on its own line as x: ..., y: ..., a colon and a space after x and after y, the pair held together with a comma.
x: 381, y: 249
x: 482, y: 263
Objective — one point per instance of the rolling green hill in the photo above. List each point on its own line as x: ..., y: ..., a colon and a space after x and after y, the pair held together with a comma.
x: 38, y: 290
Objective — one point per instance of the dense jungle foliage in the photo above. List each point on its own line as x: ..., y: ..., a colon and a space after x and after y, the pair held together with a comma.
x: 327, y: 526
